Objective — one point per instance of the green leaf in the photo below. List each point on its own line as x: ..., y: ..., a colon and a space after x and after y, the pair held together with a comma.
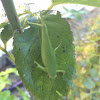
x: 77, y: 92
x: 97, y: 31
x: 73, y: 13
x: 95, y: 60
x: 7, y: 96
x: 93, y: 73
x: 25, y: 97
x: 6, y: 33
x: 95, y: 3
x: 8, y: 71
x: 27, y: 49
x: 24, y: 19
x: 4, y: 81
x: 88, y: 83
x: 3, y: 24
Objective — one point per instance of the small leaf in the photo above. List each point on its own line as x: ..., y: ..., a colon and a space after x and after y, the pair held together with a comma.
x: 8, y: 71
x: 77, y: 93
x: 6, y: 33
x: 7, y: 96
x: 24, y: 19
x: 95, y: 60
x: 4, y: 80
x: 88, y: 83
x: 93, y: 73
x: 85, y: 96
x: 97, y: 31
x: 3, y: 24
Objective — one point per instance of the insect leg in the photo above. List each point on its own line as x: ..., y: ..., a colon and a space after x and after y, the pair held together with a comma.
x: 41, y: 67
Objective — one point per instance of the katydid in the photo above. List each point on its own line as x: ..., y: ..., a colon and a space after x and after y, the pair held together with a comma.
x: 47, y: 52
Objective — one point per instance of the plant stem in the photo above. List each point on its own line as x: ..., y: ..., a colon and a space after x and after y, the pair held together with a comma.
x: 50, y: 7
x: 12, y: 15
x: 4, y: 50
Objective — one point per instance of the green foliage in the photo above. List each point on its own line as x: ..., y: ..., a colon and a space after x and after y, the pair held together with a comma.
x: 74, y: 13
x: 25, y: 97
x: 27, y: 49
x: 4, y: 80
x: 93, y: 73
x: 6, y: 33
x: 8, y: 71
x: 86, y: 84
x: 7, y: 96
x: 3, y: 24
x: 95, y: 3
x: 24, y: 19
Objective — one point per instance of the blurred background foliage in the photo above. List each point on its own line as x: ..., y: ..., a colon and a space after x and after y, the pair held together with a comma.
x: 86, y: 83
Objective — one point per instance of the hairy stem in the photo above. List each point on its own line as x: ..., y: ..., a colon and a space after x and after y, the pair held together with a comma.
x: 12, y: 15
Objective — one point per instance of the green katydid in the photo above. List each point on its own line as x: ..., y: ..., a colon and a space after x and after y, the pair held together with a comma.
x: 47, y: 52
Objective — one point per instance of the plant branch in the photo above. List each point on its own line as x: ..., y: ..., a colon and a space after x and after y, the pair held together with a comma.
x: 50, y: 7
x: 9, y: 55
x: 12, y: 15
